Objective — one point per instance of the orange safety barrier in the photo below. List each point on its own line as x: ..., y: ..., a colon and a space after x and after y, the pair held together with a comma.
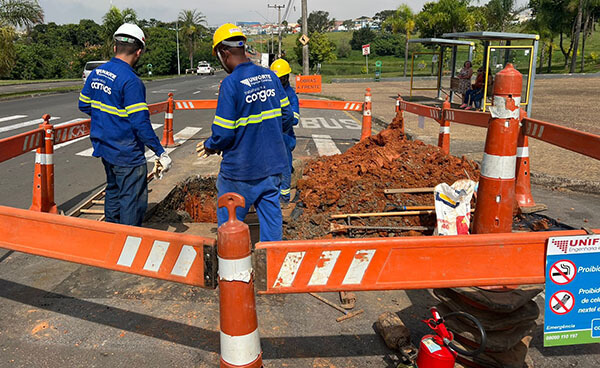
x: 240, y: 340
x: 17, y: 145
x: 367, y: 119
x: 587, y: 144
x: 434, y: 113
x: 406, y: 262
x: 159, y: 254
x: 474, y: 118
x: 69, y: 132
x: 159, y: 107
x: 195, y: 104
x: 496, y: 193
x: 331, y: 105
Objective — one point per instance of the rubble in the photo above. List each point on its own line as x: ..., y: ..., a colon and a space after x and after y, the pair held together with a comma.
x: 354, y: 182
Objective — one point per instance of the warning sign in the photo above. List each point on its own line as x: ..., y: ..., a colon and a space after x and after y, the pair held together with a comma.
x: 308, y: 84
x: 562, y: 302
x: 562, y: 272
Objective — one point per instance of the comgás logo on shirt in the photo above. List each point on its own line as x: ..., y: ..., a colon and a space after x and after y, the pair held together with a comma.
x: 101, y: 87
x: 260, y: 95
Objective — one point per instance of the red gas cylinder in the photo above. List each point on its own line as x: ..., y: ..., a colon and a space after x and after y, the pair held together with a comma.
x: 434, y: 354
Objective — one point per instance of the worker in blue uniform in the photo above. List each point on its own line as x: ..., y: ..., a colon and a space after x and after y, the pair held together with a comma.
x: 252, y: 113
x: 115, y: 98
x: 282, y: 69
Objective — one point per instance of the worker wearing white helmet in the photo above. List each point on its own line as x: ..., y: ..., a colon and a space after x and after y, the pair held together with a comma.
x: 115, y: 98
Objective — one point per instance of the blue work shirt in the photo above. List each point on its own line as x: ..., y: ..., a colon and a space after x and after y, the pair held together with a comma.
x: 295, y: 104
x: 115, y: 98
x: 252, y: 113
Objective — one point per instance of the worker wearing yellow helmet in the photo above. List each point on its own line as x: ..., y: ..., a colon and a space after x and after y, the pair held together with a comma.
x: 283, y: 70
x: 252, y: 113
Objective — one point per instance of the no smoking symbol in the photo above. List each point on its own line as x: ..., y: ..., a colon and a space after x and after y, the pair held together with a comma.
x: 563, y: 272
x: 562, y: 302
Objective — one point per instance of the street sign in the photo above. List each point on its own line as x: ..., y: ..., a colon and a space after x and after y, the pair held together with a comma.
x: 366, y: 49
x: 572, y: 311
x: 308, y: 84
x: 304, y: 39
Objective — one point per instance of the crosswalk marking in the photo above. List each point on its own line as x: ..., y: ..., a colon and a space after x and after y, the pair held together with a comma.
x: 325, y: 145
x: 25, y: 124
x: 14, y: 117
x: 88, y: 152
x: 180, y: 137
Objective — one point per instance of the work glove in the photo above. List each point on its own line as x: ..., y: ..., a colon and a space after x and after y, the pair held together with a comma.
x: 204, y: 151
x: 162, y: 165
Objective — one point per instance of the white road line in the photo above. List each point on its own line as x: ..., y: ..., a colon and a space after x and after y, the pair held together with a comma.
x: 325, y: 145
x: 25, y: 124
x: 88, y: 152
x: 195, y: 93
x: 14, y: 117
x: 180, y: 137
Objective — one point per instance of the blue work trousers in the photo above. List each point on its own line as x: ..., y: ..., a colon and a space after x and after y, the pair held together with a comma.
x: 286, y: 178
x: 264, y: 195
x: 474, y: 97
x: 126, y: 197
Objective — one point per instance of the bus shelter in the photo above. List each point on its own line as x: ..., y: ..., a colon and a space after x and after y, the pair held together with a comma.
x: 439, y: 55
x: 498, y: 50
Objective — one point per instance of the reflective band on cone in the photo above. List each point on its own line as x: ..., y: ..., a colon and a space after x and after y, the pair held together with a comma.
x: 235, y: 269
x: 498, y: 167
x: 240, y: 350
x: 522, y: 151
x: 444, y: 130
x: 44, y: 159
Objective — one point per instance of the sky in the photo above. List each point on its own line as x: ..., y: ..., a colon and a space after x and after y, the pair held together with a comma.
x: 216, y: 12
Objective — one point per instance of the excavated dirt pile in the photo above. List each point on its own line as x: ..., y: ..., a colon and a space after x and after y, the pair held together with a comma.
x: 194, y: 200
x: 354, y: 182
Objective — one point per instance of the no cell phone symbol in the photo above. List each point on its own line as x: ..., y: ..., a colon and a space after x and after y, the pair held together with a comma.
x: 562, y: 302
x: 563, y: 272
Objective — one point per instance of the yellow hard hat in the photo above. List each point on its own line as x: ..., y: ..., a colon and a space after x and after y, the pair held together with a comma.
x: 225, y: 32
x: 281, y: 67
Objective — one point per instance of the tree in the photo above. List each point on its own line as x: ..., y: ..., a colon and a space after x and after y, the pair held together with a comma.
x: 500, y: 14
x: 361, y: 37
x: 111, y: 21
x: 437, y: 18
x: 15, y: 13
x: 161, y: 52
x: 321, y: 49
x: 349, y: 24
x: 318, y: 21
x: 20, y: 13
x: 192, y: 26
x: 402, y: 21
x: 381, y: 17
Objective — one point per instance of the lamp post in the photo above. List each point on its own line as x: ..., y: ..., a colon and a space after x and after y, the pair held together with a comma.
x: 176, y: 29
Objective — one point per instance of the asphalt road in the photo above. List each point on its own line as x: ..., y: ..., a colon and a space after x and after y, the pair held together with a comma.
x: 55, y: 313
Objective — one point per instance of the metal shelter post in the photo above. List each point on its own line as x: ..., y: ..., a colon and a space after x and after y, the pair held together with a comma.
x: 453, y: 68
x: 440, y: 70
x: 533, y: 74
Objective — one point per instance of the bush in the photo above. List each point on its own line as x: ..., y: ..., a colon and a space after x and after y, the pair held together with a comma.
x: 344, y: 50
x: 389, y: 44
x: 361, y: 37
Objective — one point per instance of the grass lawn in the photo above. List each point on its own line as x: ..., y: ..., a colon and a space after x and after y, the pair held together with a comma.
x: 6, y: 82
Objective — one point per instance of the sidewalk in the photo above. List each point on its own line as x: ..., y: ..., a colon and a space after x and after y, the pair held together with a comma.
x: 568, y: 102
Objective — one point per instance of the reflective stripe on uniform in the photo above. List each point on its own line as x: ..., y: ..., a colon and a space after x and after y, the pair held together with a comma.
x: 136, y: 107
x: 296, y: 115
x: 109, y: 109
x: 285, y: 102
x: 252, y: 119
x: 83, y: 98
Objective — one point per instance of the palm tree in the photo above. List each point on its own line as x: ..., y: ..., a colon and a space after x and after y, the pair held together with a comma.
x: 111, y: 21
x: 15, y: 13
x: 191, y: 23
x: 20, y: 13
x: 403, y: 20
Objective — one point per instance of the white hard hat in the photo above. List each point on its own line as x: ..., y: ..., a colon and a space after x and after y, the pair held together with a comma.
x: 127, y: 31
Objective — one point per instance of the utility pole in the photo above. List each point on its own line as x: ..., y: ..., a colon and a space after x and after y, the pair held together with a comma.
x: 305, y: 69
x: 278, y: 7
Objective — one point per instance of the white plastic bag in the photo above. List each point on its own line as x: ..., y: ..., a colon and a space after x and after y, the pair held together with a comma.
x: 453, y: 207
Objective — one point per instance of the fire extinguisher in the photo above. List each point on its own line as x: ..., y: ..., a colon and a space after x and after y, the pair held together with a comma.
x: 439, y: 351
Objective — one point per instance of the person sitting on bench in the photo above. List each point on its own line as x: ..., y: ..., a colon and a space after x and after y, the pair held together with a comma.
x: 475, y: 94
